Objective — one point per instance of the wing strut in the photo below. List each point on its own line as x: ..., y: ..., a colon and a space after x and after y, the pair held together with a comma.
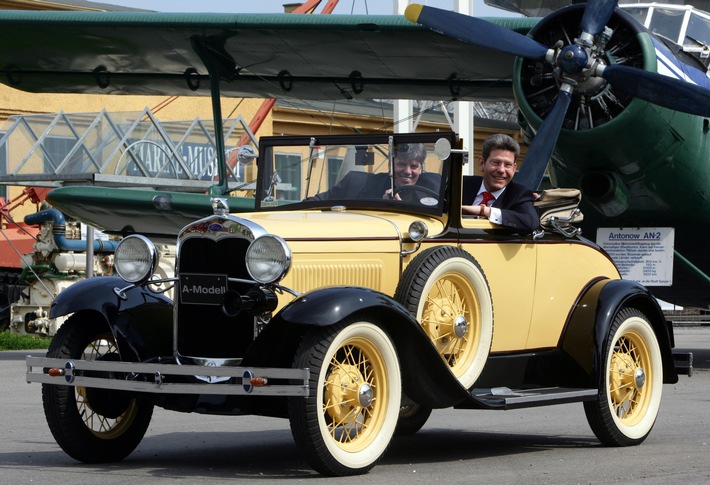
x: 219, y: 64
x: 268, y: 104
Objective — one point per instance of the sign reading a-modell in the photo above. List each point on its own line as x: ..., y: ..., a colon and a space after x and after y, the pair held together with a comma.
x: 642, y: 254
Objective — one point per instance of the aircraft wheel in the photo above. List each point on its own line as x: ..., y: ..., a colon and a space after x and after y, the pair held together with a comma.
x: 346, y: 423
x: 630, y: 392
x: 447, y: 292
x: 92, y: 425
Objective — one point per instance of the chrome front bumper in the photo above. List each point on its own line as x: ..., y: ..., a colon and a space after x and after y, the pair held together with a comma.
x: 139, y: 377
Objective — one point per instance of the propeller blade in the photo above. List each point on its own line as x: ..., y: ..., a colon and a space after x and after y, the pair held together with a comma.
x: 596, y: 15
x: 540, y: 150
x: 655, y: 88
x: 475, y: 31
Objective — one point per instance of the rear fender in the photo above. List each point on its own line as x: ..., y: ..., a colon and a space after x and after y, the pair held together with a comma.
x: 591, y: 321
x: 425, y: 377
x: 141, y: 324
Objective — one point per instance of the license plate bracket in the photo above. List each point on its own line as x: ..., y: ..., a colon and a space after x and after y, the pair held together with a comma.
x: 202, y: 289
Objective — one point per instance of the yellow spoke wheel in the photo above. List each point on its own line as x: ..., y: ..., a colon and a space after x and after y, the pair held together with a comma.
x: 346, y: 423
x: 631, y: 386
x: 445, y: 289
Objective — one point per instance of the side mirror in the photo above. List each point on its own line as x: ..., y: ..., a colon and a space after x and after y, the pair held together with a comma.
x: 442, y: 150
x: 246, y: 154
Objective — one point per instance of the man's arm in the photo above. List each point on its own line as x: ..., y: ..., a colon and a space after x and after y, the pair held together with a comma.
x: 519, y: 211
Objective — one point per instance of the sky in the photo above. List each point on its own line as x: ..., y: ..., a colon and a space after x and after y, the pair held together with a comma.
x: 378, y: 7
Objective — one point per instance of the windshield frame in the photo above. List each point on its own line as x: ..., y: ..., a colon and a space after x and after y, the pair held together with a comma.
x: 265, y: 199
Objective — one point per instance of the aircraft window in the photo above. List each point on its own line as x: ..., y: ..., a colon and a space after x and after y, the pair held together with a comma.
x: 638, y: 13
x: 698, y: 32
x: 667, y: 22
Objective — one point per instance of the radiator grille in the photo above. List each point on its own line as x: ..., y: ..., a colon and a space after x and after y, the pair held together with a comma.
x: 203, y: 330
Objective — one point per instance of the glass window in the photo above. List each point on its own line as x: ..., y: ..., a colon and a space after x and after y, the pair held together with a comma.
x: 698, y: 32
x: 334, y: 165
x: 639, y: 14
x: 667, y: 22
x: 288, y: 168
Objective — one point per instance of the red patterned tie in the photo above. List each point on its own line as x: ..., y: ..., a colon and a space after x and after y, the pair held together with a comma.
x: 487, y: 197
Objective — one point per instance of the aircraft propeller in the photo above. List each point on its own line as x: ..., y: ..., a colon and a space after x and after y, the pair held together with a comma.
x: 571, y: 62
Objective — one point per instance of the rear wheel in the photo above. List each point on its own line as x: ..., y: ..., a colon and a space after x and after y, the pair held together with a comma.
x: 92, y: 425
x: 630, y: 392
x: 446, y: 291
x: 411, y: 418
x: 346, y: 423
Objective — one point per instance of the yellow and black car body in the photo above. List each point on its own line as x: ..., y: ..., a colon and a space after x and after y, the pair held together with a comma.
x: 355, y: 316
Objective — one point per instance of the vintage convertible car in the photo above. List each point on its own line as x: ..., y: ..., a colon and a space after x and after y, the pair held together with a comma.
x: 354, y: 315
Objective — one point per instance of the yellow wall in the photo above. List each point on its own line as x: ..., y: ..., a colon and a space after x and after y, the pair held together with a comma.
x: 166, y: 108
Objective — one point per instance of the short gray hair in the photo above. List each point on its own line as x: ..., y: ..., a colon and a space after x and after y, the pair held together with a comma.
x: 500, y: 141
x: 411, y: 151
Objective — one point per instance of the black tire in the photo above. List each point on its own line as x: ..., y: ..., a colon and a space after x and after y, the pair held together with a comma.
x: 4, y: 312
x: 92, y: 425
x: 630, y: 388
x: 446, y: 291
x: 346, y: 423
x: 411, y: 419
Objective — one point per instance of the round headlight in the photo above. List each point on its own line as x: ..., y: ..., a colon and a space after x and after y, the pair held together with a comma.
x: 268, y: 259
x: 418, y: 231
x: 135, y: 259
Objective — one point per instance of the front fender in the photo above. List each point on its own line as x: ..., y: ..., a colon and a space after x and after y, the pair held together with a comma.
x: 591, y: 321
x: 97, y: 294
x: 425, y: 378
x: 141, y: 324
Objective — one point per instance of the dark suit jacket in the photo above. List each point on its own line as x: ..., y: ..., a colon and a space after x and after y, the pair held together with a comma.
x: 515, y: 203
x: 365, y: 185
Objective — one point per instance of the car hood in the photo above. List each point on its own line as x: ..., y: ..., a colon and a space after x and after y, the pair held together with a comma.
x: 339, y: 225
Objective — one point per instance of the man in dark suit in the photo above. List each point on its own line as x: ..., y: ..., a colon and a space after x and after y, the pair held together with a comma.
x: 495, y: 196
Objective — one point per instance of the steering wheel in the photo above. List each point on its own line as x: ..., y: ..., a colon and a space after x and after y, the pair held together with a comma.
x: 417, y: 193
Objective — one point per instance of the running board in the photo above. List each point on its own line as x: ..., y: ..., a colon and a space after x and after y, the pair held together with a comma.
x: 506, y: 398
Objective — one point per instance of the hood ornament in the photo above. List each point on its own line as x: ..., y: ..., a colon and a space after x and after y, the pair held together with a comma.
x: 219, y: 206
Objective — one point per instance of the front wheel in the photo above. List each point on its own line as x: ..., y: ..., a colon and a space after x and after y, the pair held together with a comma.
x: 92, y: 425
x: 630, y: 392
x: 346, y: 423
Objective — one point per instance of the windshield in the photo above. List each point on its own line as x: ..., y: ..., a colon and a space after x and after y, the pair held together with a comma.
x: 355, y: 172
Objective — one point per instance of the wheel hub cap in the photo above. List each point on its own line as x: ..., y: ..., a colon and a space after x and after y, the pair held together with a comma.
x: 365, y: 395
x: 346, y: 393
x: 460, y: 326
x: 625, y: 377
x: 640, y: 378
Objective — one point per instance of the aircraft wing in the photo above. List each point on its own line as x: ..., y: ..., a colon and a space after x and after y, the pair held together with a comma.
x: 257, y: 55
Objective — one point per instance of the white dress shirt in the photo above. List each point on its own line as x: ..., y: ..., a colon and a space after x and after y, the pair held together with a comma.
x: 496, y: 214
